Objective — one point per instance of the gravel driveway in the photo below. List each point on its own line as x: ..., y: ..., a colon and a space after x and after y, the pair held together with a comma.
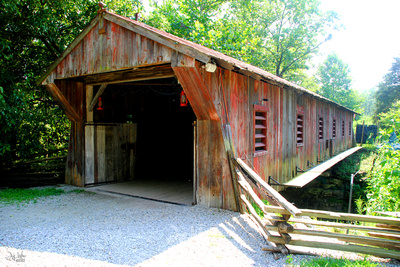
x: 77, y: 229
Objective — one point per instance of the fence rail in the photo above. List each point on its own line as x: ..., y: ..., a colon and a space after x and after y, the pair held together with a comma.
x: 285, y: 225
x: 44, y: 168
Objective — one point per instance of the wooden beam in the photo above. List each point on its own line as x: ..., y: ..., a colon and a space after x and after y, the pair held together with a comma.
x: 379, y: 252
x: 60, y: 98
x: 340, y: 216
x: 343, y: 226
x: 197, y: 92
x: 372, y: 241
x: 181, y: 60
x: 387, y: 236
x: 278, y: 197
x: 136, y: 74
x: 96, y: 97
x: 313, y: 173
x: 230, y: 151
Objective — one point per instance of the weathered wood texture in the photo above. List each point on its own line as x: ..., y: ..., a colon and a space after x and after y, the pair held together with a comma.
x: 118, y: 48
x: 214, y: 184
x: 197, y: 92
x: 75, y: 168
x: 234, y: 96
x: 110, y: 152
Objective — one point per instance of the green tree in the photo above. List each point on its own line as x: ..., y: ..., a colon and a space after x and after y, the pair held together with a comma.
x: 189, y: 19
x: 334, y: 77
x: 289, y: 33
x: 277, y: 35
x: 389, y: 89
x: 32, y: 35
x: 384, y: 181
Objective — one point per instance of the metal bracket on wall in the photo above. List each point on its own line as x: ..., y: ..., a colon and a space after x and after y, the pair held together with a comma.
x: 275, y: 182
x: 299, y: 169
x: 309, y: 164
x: 319, y: 161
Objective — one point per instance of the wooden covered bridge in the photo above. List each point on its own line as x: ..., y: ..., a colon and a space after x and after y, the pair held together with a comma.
x: 145, y: 104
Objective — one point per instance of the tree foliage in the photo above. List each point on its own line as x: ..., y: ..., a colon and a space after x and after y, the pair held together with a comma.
x: 277, y: 35
x: 389, y: 89
x: 32, y: 35
x: 335, y: 82
x: 384, y: 181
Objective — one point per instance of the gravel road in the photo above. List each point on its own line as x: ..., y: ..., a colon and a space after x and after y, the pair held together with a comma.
x: 86, y: 229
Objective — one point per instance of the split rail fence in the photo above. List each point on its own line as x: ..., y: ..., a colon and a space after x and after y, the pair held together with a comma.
x: 285, y: 226
x: 42, y: 169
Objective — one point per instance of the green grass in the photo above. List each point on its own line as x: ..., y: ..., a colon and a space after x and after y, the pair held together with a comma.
x: 26, y: 195
x: 332, y: 262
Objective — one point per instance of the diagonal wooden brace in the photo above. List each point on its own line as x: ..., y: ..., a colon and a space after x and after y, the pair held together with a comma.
x: 60, y: 98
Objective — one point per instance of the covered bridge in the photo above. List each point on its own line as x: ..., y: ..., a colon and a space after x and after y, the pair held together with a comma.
x: 146, y: 104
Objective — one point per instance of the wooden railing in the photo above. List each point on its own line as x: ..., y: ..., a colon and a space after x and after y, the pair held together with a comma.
x: 285, y: 226
x: 44, y: 168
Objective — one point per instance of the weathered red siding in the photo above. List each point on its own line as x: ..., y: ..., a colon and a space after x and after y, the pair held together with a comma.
x: 239, y: 93
x: 118, y: 48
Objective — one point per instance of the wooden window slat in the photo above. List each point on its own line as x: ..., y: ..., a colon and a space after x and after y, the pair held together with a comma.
x: 260, y: 129
x: 259, y: 145
x: 343, y: 128
x: 333, y: 128
x: 321, y: 128
x: 299, y: 130
x: 259, y: 126
x: 260, y: 118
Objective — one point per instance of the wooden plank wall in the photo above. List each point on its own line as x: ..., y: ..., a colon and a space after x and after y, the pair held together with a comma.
x: 110, y: 152
x: 115, y: 49
x: 240, y: 93
x: 74, y: 170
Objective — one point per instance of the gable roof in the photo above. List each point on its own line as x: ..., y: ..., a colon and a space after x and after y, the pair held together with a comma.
x: 199, y: 52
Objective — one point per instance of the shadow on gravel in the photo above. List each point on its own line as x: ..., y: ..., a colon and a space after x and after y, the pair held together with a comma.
x: 88, y: 229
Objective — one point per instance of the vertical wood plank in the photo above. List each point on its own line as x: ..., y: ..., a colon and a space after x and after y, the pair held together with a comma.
x: 89, y: 154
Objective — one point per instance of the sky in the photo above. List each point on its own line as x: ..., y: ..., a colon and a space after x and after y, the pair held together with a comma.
x: 369, y: 41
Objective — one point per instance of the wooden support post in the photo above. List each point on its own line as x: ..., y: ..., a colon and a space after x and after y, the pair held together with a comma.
x: 96, y: 97
x: 227, y: 134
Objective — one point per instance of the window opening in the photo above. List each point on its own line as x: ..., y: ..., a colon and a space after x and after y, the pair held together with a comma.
x: 342, y: 128
x: 350, y: 128
x: 300, y: 129
x: 321, y: 128
x: 334, y: 128
x: 260, y: 129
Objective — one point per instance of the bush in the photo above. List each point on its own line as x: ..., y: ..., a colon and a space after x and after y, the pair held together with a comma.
x: 384, y: 181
